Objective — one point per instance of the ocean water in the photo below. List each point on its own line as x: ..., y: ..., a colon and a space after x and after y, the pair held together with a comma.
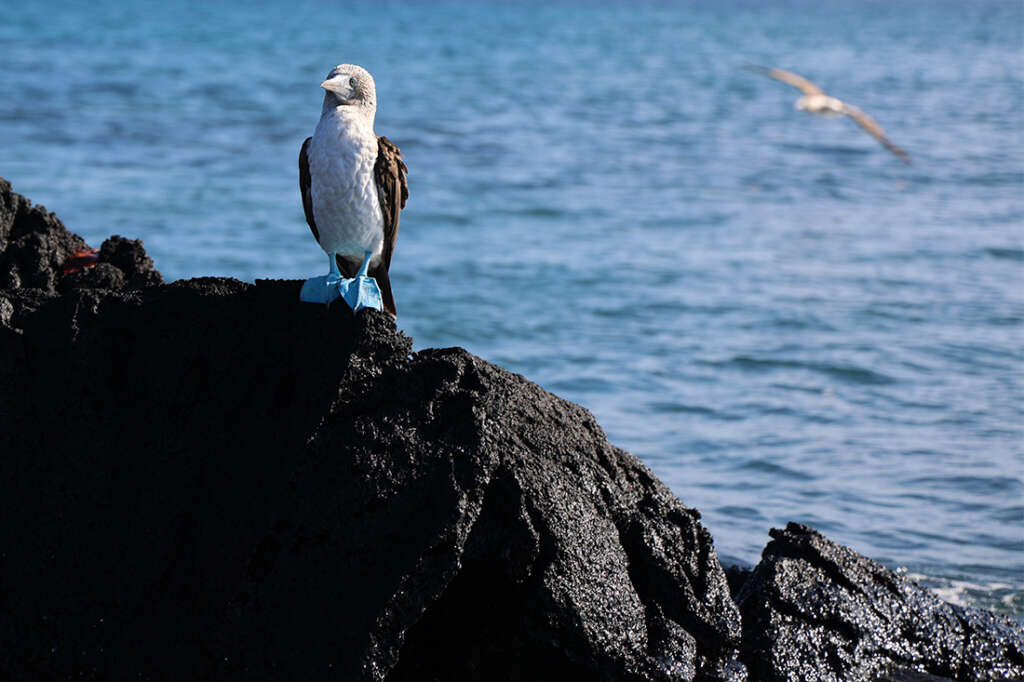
x: 778, y: 316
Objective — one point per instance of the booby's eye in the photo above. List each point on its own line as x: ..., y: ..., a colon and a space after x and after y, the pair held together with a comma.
x: 352, y: 81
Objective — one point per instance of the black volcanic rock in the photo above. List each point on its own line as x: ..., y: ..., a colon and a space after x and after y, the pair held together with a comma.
x: 210, y: 479
x: 128, y: 256
x: 814, y: 610
x: 34, y: 244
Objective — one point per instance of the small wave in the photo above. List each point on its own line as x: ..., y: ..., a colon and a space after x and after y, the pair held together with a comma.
x: 993, y: 179
x: 837, y: 150
x: 666, y: 407
x: 1007, y: 253
x: 534, y: 212
x: 846, y: 373
x: 679, y: 408
x: 997, y: 596
x: 981, y: 485
x: 740, y: 512
x: 446, y: 218
x: 1013, y: 514
x: 764, y: 466
x: 898, y: 312
x: 122, y: 88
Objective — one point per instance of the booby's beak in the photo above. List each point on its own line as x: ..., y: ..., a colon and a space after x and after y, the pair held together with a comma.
x: 340, y: 86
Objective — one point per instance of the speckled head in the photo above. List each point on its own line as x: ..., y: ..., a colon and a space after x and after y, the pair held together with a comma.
x: 348, y: 85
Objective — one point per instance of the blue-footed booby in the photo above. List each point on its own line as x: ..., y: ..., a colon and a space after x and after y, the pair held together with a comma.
x: 815, y: 101
x: 353, y: 187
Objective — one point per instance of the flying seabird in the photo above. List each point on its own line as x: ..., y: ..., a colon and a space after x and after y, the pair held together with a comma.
x: 353, y: 187
x: 815, y: 101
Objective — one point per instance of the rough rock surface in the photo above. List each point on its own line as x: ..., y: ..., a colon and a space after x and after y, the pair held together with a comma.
x: 34, y: 244
x: 814, y: 610
x: 210, y: 479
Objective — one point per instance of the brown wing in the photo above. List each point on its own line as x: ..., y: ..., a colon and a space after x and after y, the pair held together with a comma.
x: 787, y: 77
x: 304, y: 187
x: 869, y: 124
x: 392, y: 191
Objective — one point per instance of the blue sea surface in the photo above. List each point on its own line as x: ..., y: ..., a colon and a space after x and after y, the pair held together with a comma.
x: 779, y: 317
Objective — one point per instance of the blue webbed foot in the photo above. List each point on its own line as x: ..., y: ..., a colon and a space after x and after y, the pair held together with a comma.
x: 323, y: 289
x: 361, y: 292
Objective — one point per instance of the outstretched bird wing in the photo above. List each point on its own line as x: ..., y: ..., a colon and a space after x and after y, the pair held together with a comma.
x: 305, y: 181
x: 787, y: 77
x: 869, y: 124
x: 392, y: 191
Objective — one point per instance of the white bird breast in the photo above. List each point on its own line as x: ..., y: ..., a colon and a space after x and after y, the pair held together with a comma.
x: 347, y: 212
x: 823, y: 105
